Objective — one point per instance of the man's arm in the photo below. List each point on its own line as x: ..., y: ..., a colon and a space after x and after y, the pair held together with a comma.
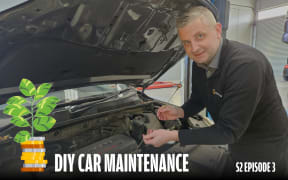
x: 192, y: 106
x: 243, y: 90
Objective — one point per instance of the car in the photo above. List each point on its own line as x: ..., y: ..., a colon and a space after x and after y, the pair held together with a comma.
x: 95, y: 53
x: 285, y: 71
x: 285, y: 34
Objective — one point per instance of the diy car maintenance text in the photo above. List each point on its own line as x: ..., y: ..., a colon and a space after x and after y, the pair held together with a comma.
x: 122, y: 162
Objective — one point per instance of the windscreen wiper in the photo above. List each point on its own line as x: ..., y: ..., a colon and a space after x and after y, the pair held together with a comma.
x: 87, y: 103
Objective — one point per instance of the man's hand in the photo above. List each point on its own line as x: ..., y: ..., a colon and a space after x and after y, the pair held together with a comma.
x: 159, y: 137
x: 167, y: 112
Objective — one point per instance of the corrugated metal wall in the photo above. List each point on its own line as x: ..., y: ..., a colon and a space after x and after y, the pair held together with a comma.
x: 269, y: 37
x: 269, y: 40
x: 264, y: 4
x: 241, y: 23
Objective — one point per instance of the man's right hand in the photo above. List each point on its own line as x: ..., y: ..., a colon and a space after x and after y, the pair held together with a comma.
x: 168, y: 112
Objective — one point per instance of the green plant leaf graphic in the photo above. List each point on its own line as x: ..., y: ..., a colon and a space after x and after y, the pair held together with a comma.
x: 19, y: 121
x: 16, y: 100
x: 44, y: 123
x: 42, y: 91
x: 22, y: 136
x: 15, y: 110
x: 27, y: 87
x: 46, y: 106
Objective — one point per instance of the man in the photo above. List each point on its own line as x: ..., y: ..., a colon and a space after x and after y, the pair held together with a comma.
x: 235, y: 83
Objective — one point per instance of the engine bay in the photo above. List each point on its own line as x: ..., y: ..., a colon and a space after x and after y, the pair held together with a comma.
x: 119, y: 131
x: 131, y: 122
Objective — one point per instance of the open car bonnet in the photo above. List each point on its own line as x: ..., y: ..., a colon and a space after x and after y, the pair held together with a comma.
x: 72, y: 43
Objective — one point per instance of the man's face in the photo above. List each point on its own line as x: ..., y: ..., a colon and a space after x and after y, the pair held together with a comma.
x: 200, y: 40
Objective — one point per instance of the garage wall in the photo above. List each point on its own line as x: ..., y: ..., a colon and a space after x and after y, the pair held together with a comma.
x: 241, y: 20
x: 171, y: 95
x: 245, y: 3
x: 269, y: 40
x: 174, y: 73
x: 266, y: 4
x: 269, y: 37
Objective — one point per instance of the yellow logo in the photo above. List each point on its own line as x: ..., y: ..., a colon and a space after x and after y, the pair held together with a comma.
x: 33, y: 153
x: 214, y: 92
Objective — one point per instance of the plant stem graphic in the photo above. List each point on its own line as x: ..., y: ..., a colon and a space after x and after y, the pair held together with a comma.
x: 32, y: 118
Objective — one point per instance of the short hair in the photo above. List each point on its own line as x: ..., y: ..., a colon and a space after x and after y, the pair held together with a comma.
x: 185, y: 17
